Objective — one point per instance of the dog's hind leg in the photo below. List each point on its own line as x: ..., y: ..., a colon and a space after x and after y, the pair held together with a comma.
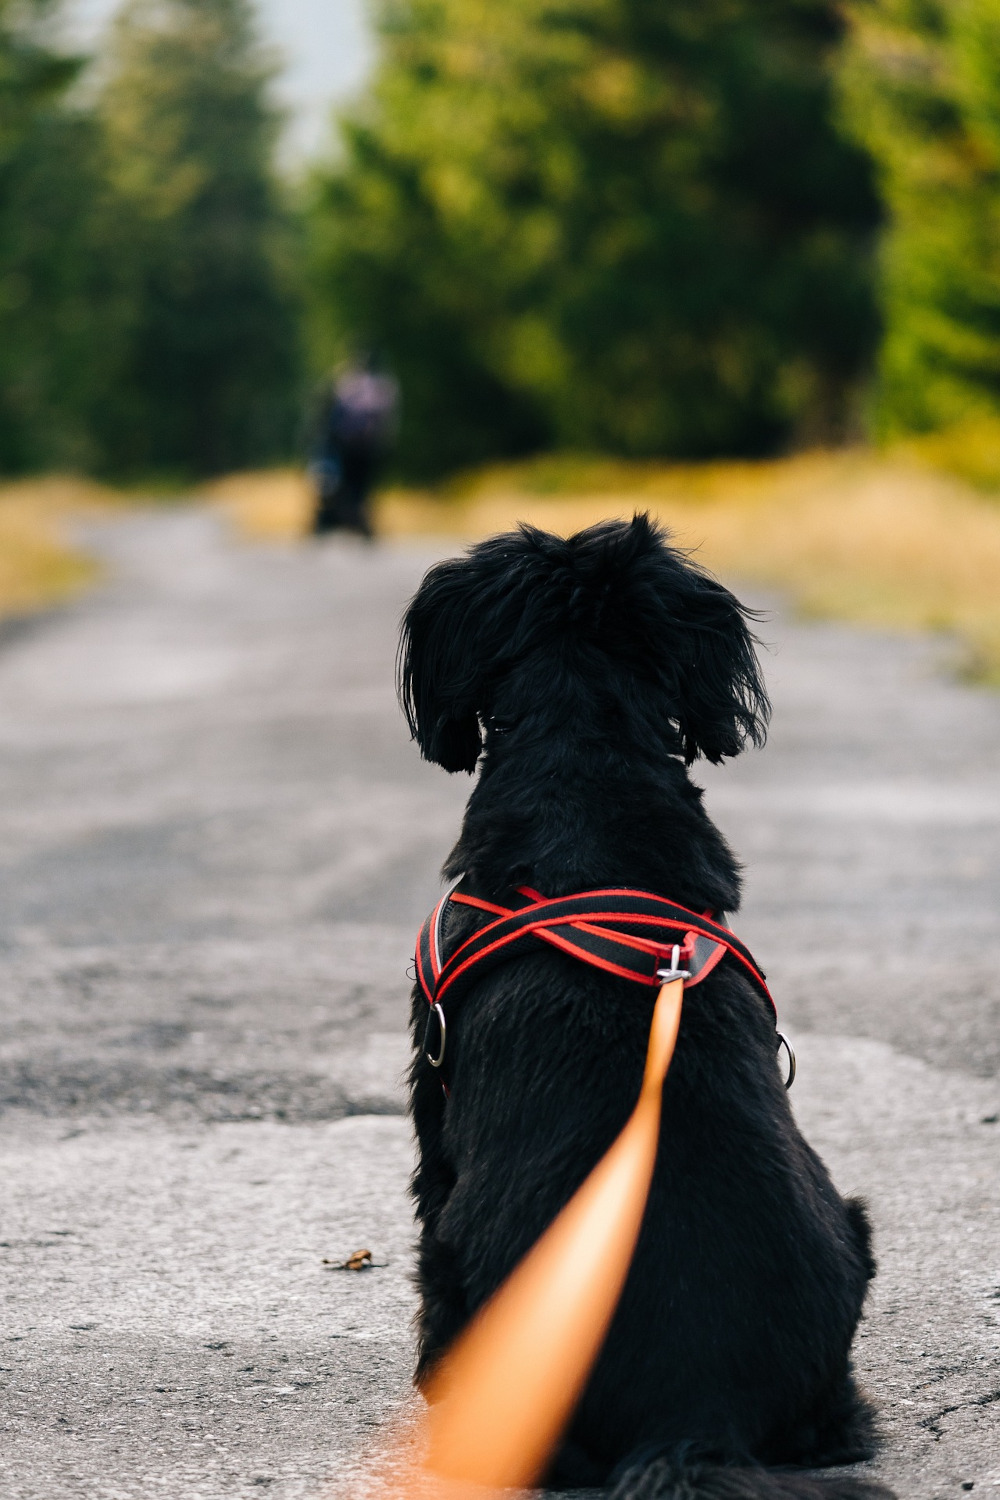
x: 839, y: 1426
x: 667, y: 1478
x: 838, y: 1429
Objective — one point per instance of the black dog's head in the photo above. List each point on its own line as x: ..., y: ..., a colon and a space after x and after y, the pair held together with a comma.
x: 615, y: 607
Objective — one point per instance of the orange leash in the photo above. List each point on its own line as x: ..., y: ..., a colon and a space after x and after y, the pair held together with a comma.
x: 504, y: 1393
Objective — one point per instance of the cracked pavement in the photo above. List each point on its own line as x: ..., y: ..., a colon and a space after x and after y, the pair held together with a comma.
x: 216, y: 844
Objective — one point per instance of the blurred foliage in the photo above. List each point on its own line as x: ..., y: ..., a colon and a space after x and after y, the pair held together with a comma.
x: 209, y: 377
x: 46, y: 288
x: 39, y: 564
x: 968, y: 449
x: 688, y: 228
x: 921, y: 90
x: 619, y: 224
x: 148, y: 315
x: 851, y: 534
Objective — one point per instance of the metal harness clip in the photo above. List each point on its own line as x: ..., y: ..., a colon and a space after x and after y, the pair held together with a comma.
x: 666, y: 975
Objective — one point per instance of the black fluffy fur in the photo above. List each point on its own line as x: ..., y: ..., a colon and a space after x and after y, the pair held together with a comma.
x: 585, y: 675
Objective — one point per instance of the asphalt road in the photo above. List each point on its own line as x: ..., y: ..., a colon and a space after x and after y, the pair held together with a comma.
x: 215, y: 846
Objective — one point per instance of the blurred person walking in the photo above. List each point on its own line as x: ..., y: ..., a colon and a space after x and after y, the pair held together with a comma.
x: 357, y: 427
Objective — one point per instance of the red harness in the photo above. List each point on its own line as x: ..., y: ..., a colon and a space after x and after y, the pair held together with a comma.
x: 632, y: 934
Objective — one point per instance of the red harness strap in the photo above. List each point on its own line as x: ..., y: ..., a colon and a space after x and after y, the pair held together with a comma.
x: 632, y: 934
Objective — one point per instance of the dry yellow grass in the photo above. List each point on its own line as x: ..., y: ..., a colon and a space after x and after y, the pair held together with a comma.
x: 39, y: 565
x: 885, y: 541
x: 266, y: 505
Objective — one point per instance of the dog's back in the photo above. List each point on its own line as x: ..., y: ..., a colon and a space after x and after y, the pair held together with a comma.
x: 590, y: 671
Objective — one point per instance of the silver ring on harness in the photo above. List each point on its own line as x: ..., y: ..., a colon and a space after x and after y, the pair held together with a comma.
x: 436, y: 1013
x: 782, y: 1042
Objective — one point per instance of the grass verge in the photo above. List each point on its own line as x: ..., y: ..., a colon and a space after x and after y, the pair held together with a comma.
x: 266, y: 505
x: 39, y: 564
x: 887, y: 541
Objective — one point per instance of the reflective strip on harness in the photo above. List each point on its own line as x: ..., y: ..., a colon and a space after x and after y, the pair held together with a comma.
x: 625, y: 932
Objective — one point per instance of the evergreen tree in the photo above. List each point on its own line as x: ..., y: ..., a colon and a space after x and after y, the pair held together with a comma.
x: 626, y: 224
x: 52, y: 285
x: 922, y: 92
x: 209, y: 374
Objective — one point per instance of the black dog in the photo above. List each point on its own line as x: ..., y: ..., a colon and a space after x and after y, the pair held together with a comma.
x: 588, y: 674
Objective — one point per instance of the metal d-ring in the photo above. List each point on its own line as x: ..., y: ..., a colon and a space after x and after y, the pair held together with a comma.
x: 784, y: 1042
x: 435, y: 1062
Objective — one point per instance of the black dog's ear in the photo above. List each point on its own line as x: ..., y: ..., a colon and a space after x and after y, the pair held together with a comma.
x: 717, y: 687
x: 470, y: 620
x: 439, y: 674
x: 722, y: 703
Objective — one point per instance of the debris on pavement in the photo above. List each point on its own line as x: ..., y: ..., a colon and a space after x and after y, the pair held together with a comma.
x: 360, y: 1260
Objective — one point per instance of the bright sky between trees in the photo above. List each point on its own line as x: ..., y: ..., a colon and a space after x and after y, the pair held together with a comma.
x: 327, y: 45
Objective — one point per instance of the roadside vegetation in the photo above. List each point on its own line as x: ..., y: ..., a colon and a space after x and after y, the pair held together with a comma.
x: 40, y: 563
x: 885, y: 540
x: 882, y: 540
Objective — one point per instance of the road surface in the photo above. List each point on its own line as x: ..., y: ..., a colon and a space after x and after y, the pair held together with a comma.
x: 216, y: 844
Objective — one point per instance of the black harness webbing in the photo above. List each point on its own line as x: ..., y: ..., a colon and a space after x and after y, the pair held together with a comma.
x: 632, y: 934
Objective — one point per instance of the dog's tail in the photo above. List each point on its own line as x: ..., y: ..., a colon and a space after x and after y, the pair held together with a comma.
x: 671, y: 1479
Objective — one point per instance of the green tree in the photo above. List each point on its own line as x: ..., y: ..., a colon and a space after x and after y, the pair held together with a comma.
x: 209, y: 363
x: 625, y: 224
x: 51, y: 283
x: 921, y: 86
